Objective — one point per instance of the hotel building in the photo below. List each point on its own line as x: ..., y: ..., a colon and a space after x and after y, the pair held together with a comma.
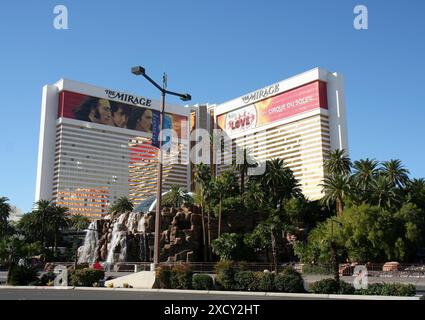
x: 95, y: 145
x: 299, y: 120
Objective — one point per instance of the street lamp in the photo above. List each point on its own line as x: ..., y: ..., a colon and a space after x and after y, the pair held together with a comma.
x: 140, y: 71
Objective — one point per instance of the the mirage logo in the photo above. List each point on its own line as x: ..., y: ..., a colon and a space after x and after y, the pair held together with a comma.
x: 129, y: 98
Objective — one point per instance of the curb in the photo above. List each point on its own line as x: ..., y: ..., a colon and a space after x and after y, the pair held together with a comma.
x: 230, y: 293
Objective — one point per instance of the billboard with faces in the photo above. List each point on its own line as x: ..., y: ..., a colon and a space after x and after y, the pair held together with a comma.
x: 111, y: 113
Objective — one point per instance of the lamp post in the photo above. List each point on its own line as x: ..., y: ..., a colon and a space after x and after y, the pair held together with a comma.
x: 138, y: 70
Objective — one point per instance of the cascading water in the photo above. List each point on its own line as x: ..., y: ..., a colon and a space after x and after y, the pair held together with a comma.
x: 118, y: 240
x: 89, y: 249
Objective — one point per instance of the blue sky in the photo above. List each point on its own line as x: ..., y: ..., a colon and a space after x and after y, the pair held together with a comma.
x: 215, y: 50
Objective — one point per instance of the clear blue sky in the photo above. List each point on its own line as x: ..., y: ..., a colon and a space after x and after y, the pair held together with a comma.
x: 216, y: 50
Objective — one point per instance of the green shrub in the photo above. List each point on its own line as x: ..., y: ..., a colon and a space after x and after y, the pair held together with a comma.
x: 331, y: 286
x: 289, y: 282
x: 290, y: 271
x: 22, y: 275
x: 181, y: 277
x: 86, y: 277
x: 346, y: 288
x: 325, y: 286
x: 163, y: 275
x: 243, y: 266
x: 225, y: 272
x: 202, y: 282
x: 389, y: 289
x: 266, y: 281
x: 246, y: 281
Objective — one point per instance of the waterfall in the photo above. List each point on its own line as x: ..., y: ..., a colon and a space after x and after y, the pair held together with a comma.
x: 89, y: 249
x: 119, y: 233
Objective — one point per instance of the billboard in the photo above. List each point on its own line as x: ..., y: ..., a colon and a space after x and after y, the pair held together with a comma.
x: 278, y: 107
x: 111, y: 113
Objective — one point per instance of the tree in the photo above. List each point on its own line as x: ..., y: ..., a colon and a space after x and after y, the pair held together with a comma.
x: 230, y: 246
x: 336, y: 189
x: 395, y: 172
x: 5, y: 210
x: 175, y: 197
x: 242, y: 166
x: 225, y: 185
x: 121, y: 205
x: 366, y: 171
x: 14, y: 248
x: 416, y: 192
x: 58, y: 221
x: 337, y: 163
x: 203, y: 178
x: 383, y: 193
x: 41, y: 214
x: 278, y: 183
x: 79, y: 222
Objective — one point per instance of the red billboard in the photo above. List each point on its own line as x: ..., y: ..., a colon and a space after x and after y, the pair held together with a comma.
x: 281, y: 106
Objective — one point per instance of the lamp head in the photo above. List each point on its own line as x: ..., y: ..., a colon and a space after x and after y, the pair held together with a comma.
x: 138, y: 71
x: 186, y: 97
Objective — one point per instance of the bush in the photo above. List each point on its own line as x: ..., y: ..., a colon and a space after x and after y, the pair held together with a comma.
x: 389, y: 289
x: 163, y: 274
x: 289, y: 282
x: 181, y: 277
x: 266, y: 281
x: 325, y: 286
x: 202, y: 282
x: 331, y: 286
x: 22, y: 275
x: 86, y: 277
x: 225, y: 272
x: 290, y: 271
x: 246, y: 281
x: 317, y: 269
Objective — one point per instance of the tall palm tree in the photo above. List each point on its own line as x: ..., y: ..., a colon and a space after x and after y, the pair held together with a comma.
x: 383, y: 192
x: 395, y: 172
x: 337, y: 163
x: 336, y: 189
x: 43, y: 209
x: 365, y: 171
x: 416, y: 192
x: 224, y: 185
x: 242, y: 166
x: 121, y: 205
x: 58, y: 220
x: 278, y: 182
x: 5, y: 210
x: 203, y: 177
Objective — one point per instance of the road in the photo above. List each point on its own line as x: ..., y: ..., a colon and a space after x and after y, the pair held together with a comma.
x: 60, y: 294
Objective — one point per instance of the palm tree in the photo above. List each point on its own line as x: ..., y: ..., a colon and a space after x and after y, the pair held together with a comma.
x: 175, y: 197
x: 416, y: 192
x: 121, y: 205
x: 395, y: 172
x: 383, y: 192
x: 5, y: 210
x: 203, y: 177
x: 224, y: 185
x: 336, y: 189
x: 365, y: 172
x: 278, y: 183
x: 58, y: 221
x: 42, y: 212
x: 337, y: 163
x: 79, y: 222
x: 242, y: 166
